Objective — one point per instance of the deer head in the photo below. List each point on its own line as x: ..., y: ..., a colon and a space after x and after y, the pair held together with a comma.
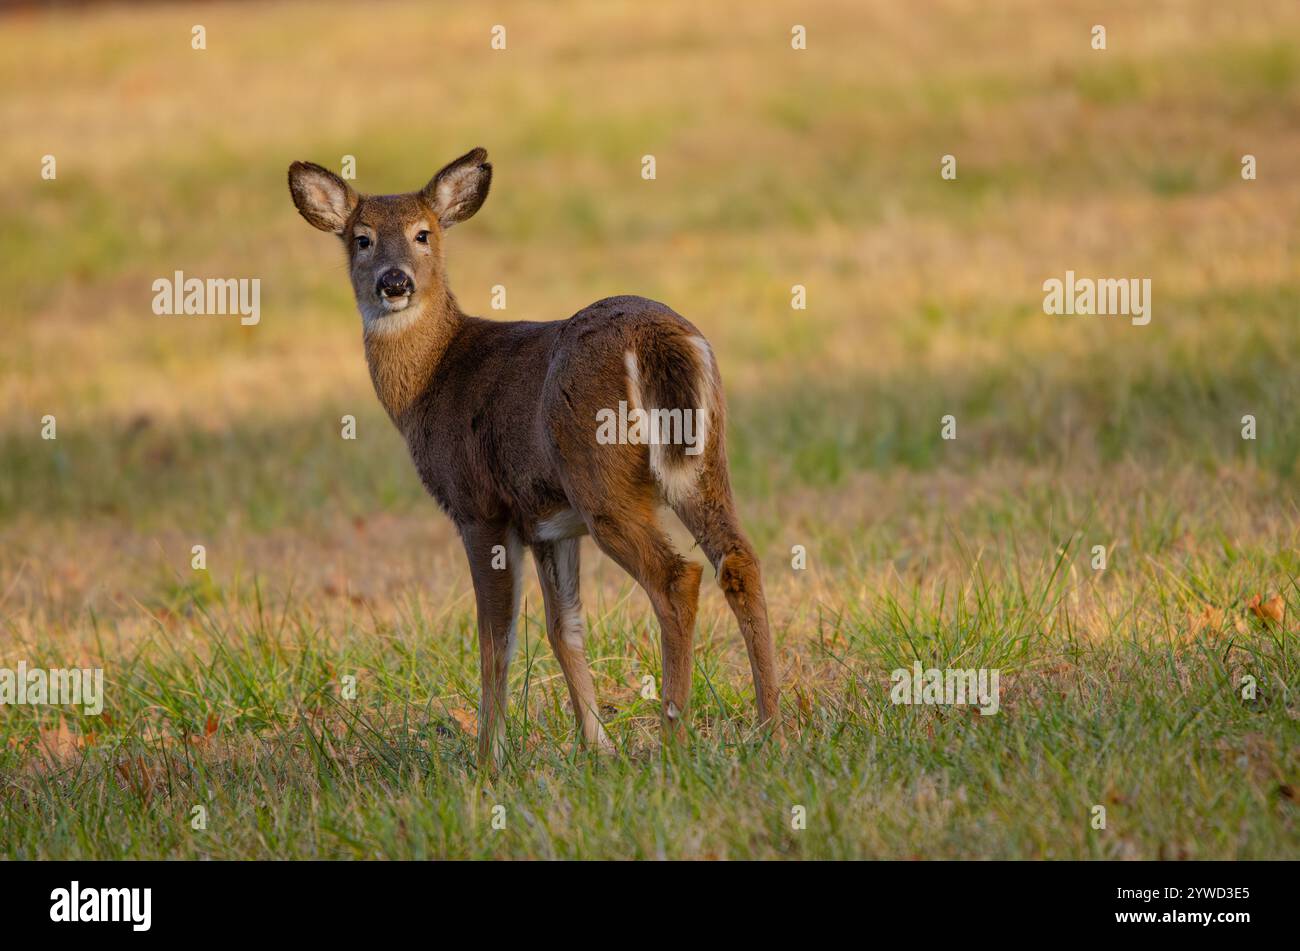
x: 393, y: 242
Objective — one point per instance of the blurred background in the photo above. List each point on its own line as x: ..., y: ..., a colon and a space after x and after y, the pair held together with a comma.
x: 775, y: 167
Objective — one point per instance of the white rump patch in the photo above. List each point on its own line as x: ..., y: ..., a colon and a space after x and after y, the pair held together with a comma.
x: 707, y: 390
x: 678, y: 480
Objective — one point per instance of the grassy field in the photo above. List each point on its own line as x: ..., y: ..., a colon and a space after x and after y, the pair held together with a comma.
x: 1121, y: 687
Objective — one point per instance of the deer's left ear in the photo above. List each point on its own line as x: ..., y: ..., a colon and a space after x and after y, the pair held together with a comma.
x: 460, y: 189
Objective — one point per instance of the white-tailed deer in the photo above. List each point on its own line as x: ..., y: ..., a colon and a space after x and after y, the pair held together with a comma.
x: 511, y: 426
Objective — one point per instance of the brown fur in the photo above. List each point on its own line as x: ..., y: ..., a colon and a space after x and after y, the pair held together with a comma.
x: 500, y: 419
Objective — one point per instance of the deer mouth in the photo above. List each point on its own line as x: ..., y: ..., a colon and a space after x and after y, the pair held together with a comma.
x: 392, y: 305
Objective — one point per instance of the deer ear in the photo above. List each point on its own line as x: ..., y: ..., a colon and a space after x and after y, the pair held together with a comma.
x: 460, y: 189
x: 323, y: 198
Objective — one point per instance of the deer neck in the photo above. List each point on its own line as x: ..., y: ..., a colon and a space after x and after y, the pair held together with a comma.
x: 403, y: 362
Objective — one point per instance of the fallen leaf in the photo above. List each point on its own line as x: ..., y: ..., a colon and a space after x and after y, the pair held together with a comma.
x: 1271, y: 610
x: 137, y: 776
x: 1210, y: 619
x: 61, y: 743
x: 466, y: 720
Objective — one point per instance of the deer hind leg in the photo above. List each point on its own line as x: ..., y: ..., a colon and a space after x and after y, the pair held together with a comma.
x: 709, y: 514
x: 681, y: 373
x: 557, y: 571
x: 632, y: 538
x: 497, y: 586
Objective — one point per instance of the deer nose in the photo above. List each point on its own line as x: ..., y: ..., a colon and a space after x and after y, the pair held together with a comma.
x: 394, y: 283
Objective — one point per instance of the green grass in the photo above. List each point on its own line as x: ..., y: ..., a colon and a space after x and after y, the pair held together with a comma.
x: 1151, y: 729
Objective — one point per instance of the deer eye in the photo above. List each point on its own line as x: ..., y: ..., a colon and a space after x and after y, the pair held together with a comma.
x: 422, y: 237
x: 363, y: 241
